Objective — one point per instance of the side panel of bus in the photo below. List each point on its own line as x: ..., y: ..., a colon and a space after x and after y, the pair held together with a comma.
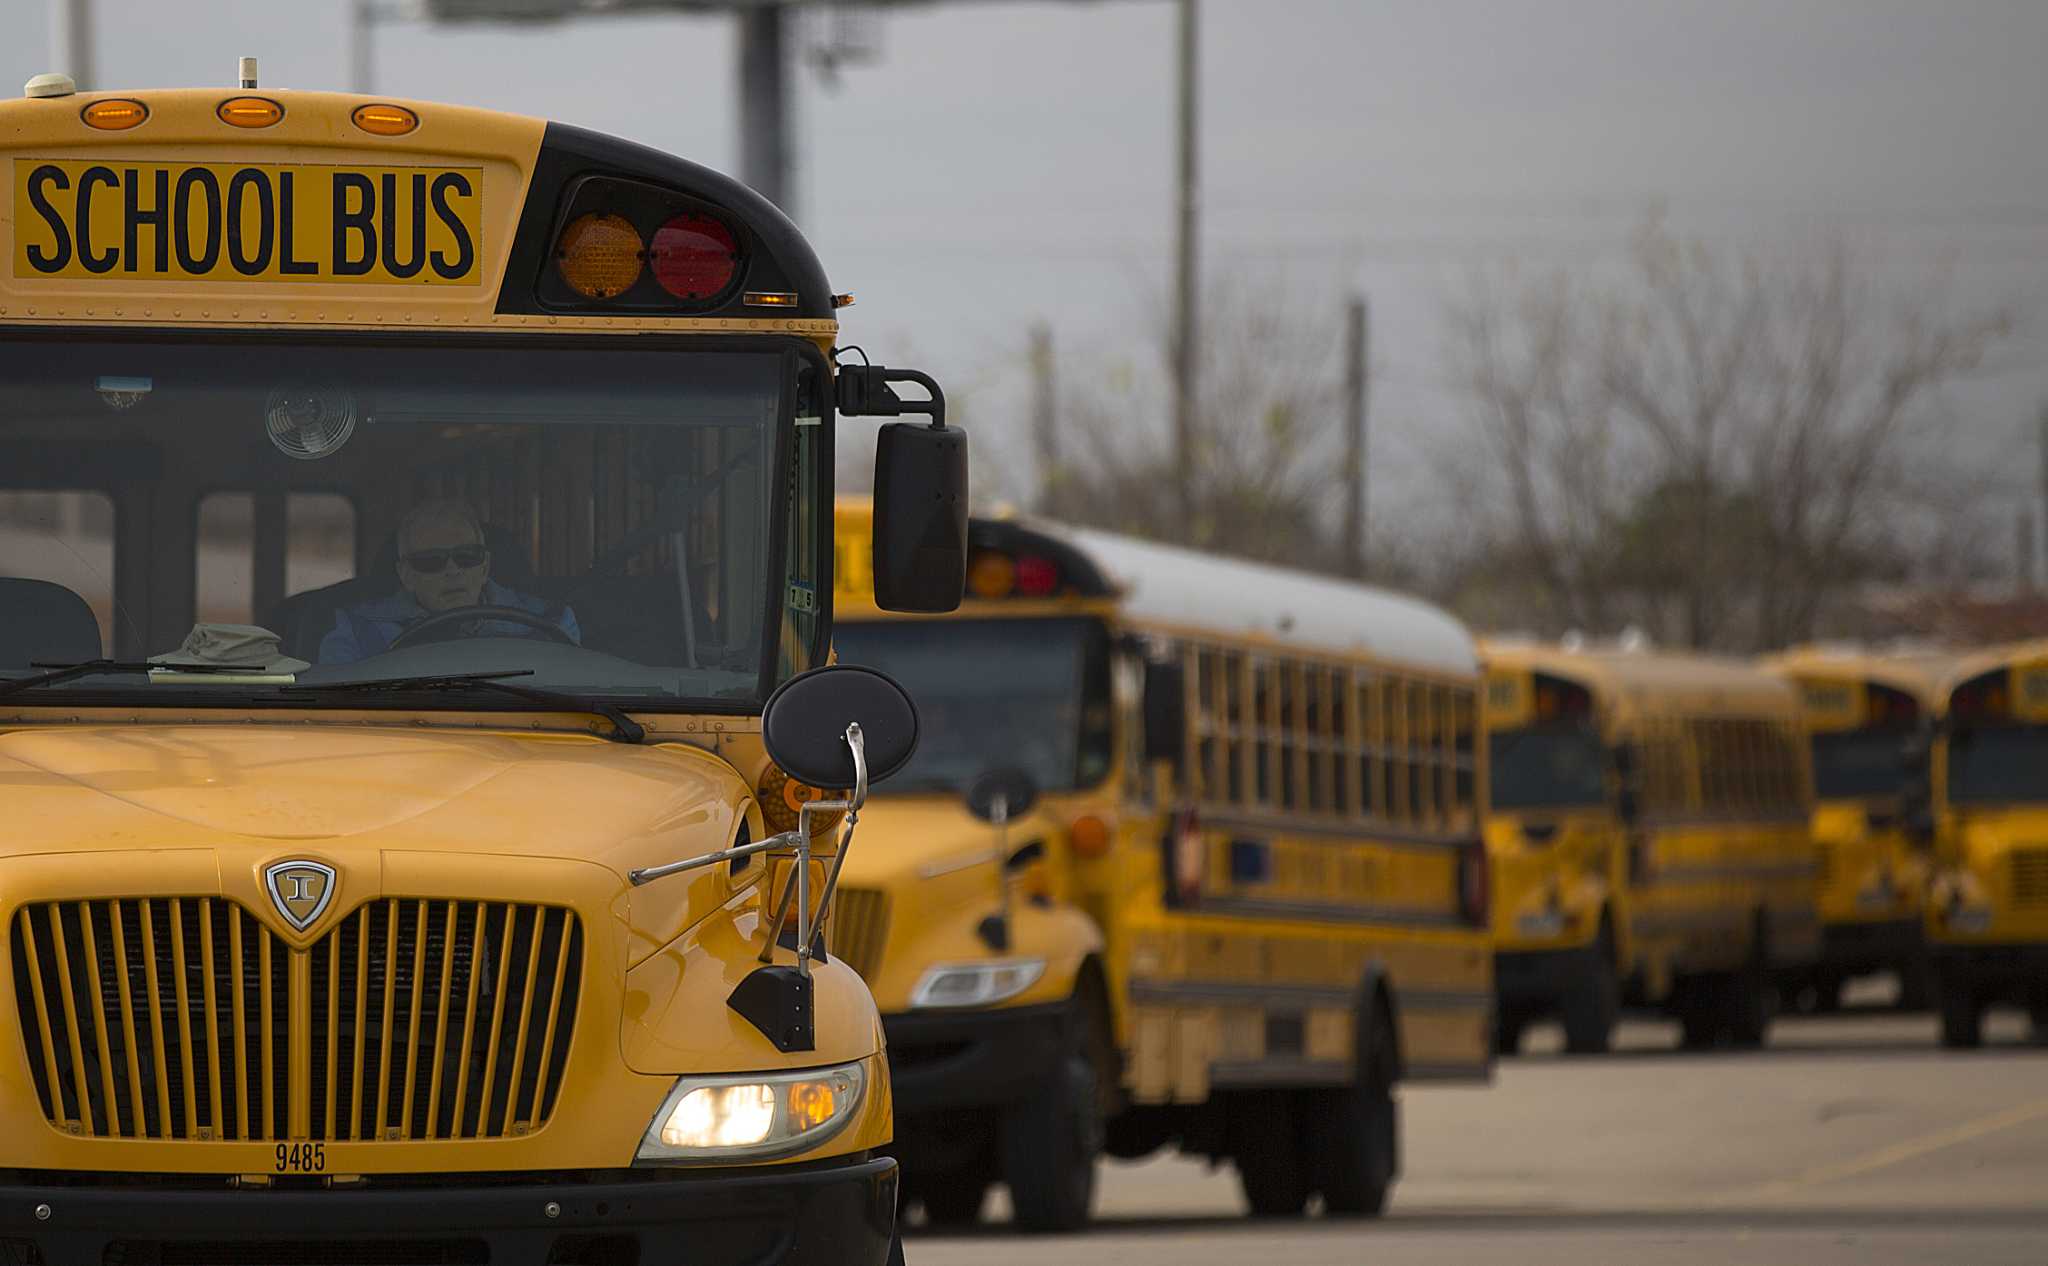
x: 1319, y: 876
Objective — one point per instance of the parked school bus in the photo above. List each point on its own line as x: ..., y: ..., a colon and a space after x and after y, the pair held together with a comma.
x: 414, y: 527
x: 1248, y: 900
x: 1987, y: 904
x: 1649, y: 841
x: 1866, y: 718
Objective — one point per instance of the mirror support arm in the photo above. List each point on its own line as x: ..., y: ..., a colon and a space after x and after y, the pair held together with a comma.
x: 800, y: 839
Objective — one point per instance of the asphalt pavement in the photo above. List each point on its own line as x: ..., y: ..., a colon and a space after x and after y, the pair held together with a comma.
x: 1852, y: 1139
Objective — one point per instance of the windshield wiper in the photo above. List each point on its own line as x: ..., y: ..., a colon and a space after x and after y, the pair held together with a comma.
x: 624, y: 728
x: 94, y: 667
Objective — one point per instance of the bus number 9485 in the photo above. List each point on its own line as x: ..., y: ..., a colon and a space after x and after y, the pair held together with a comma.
x: 301, y: 1158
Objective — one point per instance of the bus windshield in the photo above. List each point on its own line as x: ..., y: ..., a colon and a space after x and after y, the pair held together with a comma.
x: 1858, y: 764
x: 1548, y: 767
x: 353, y: 510
x: 1998, y: 763
x: 1032, y: 694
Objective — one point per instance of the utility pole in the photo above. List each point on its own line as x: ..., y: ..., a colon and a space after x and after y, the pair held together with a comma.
x: 1045, y: 419
x: 1357, y: 359
x: 765, y: 103
x: 71, y: 41
x: 2023, y: 554
x: 2044, y: 475
x: 1186, y: 336
x: 362, y: 24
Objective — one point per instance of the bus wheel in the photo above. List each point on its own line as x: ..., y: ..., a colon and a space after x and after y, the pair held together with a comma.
x: 1593, y: 1005
x: 953, y: 1199
x: 1696, y: 1001
x: 1507, y: 1033
x: 1051, y: 1140
x: 1962, y: 1016
x: 1916, y: 986
x: 1827, y: 993
x: 1265, y: 1144
x: 1357, y: 1133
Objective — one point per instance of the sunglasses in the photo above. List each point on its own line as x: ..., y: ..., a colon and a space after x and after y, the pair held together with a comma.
x: 429, y: 561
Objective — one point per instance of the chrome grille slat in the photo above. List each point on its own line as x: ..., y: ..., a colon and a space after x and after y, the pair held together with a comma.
x: 186, y: 1018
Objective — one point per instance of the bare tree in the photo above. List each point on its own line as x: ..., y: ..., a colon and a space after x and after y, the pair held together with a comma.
x: 1266, y: 445
x: 1725, y: 440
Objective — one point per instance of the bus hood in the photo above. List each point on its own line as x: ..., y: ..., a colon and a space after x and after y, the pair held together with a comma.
x: 903, y: 840
x: 334, y: 789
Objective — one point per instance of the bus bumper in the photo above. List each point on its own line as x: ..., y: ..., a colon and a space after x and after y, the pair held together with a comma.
x: 842, y: 1214
x: 1851, y: 949
x: 972, y: 1059
x: 1535, y: 982
x: 2018, y: 971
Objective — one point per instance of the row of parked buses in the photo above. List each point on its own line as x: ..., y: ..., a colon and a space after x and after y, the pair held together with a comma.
x: 1207, y: 855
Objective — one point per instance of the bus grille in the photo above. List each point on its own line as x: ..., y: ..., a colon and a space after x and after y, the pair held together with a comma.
x: 859, y: 927
x: 2030, y: 877
x: 186, y: 1018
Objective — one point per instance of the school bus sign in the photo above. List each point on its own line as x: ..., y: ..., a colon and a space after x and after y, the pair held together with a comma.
x: 84, y: 219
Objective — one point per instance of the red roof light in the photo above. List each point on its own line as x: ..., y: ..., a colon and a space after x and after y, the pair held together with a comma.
x: 1037, y: 577
x: 694, y: 256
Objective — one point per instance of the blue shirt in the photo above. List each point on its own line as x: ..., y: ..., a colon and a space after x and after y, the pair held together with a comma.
x: 369, y: 628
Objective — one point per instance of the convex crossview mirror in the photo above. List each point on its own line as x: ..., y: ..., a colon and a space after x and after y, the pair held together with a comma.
x: 998, y: 797
x: 837, y: 726
x: 920, y: 533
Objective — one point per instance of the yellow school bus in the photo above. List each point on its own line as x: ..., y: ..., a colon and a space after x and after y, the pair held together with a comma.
x: 1245, y: 899
x: 1866, y: 715
x: 1987, y: 905
x: 1649, y: 841
x: 415, y: 552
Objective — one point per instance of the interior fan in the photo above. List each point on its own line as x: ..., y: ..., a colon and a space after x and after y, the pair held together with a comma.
x: 308, y: 423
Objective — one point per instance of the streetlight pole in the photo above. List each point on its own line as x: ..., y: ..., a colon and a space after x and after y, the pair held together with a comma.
x: 1186, y: 334
x: 765, y: 103
x: 362, y: 25
x: 71, y: 41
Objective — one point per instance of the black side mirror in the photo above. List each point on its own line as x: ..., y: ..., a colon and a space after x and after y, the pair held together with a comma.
x: 920, y: 535
x: 1166, y: 711
x: 1004, y: 794
x: 803, y: 725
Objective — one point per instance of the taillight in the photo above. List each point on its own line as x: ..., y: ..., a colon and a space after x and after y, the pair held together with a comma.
x: 694, y: 256
x: 1475, y: 885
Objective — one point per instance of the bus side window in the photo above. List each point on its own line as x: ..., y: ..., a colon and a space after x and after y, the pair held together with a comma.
x: 1464, y: 748
x: 1343, y: 744
x: 1265, y: 728
x: 1239, y: 750
x: 1288, y: 727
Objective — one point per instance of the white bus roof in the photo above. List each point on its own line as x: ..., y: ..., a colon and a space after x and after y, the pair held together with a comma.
x: 1185, y: 589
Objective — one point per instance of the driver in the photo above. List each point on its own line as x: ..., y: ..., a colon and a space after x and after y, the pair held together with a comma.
x: 443, y: 565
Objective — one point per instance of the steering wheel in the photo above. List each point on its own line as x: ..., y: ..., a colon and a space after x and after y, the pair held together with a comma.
x: 446, y: 626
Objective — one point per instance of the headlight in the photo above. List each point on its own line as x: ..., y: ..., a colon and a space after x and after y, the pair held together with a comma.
x: 753, y: 1116
x: 976, y: 984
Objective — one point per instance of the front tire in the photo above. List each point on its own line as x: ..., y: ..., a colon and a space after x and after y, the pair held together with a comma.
x: 1593, y: 1006
x: 1962, y: 1016
x: 1358, y: 1135
x: 1051, y: 1140
x: 953, y: 1200
x: 1265, y: 1145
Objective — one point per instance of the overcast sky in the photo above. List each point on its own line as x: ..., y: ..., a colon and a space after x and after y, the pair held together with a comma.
x: 1005, y: 162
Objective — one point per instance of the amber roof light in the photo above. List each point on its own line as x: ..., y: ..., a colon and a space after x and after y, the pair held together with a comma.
x: 250, y: 111
x: 385, y: 120
x: 117, y: 114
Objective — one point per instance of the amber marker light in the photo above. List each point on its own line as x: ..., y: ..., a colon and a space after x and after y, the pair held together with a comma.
x: 115, y: 115
x: 770, y: 299
x: 250, y: 111
x: 1089, y: 836
x: 600, y: 255
x: 385, y: 120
